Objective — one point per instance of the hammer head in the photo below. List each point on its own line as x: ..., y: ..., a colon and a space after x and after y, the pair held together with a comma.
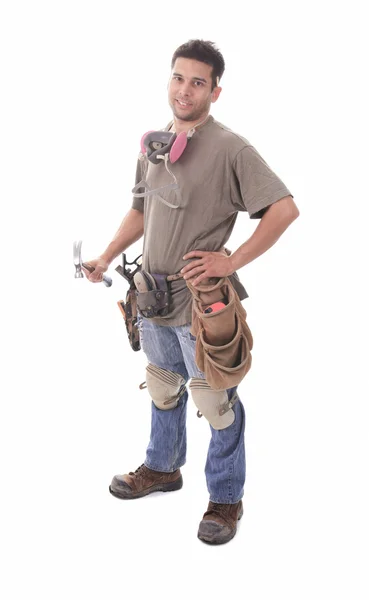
x: 77, y: 259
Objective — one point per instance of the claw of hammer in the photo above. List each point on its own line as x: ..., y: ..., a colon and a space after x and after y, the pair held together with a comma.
x: 77, y: 259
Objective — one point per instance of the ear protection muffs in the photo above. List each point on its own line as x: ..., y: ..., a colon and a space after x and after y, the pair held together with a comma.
x: 156, y: 144
x: 168, y: 147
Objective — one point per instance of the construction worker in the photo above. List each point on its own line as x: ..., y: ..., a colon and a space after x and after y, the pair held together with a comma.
x: 185, y: 207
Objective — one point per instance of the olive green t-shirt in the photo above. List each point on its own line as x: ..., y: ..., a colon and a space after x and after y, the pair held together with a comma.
x: 219, y: 174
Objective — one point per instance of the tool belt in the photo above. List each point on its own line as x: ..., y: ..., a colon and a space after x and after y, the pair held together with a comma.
x: 223, y: 338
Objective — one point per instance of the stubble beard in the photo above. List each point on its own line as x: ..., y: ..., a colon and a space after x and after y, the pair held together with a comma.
x: 192, y: 116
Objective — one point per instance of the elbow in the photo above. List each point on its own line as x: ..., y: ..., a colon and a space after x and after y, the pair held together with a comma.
x: 285, y: 208
x: 294, y: 209
x: 291, y: 212
x: 290, y: 217
x: 294, y: 214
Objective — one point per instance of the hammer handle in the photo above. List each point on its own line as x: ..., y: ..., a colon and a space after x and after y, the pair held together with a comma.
x: 106, y: 280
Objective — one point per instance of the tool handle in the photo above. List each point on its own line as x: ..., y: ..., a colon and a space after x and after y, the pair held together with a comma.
x: 106, y: 280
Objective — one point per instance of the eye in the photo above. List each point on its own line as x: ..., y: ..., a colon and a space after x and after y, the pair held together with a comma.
x: 198, y: 83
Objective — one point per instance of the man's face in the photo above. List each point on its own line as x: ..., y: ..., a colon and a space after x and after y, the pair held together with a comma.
x: 189, y: 90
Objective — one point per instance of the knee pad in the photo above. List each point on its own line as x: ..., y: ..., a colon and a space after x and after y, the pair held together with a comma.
x: 213, y: 404
x: 165, y: 387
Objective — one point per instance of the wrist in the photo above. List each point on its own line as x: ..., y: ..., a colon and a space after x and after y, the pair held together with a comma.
x: 241, y: 257
x: 232, y: 264
x: 106, y: 257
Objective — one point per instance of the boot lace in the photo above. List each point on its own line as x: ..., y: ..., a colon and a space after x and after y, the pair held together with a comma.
x: 222, y: 511
x: 142, y: 469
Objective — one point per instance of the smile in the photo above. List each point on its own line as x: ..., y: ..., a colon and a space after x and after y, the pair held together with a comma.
x: 184, y: 104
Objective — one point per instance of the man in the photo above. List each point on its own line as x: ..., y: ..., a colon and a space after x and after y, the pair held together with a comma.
x: 185, y: 228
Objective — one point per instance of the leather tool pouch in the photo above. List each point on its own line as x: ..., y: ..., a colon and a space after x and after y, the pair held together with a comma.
x: 155, y: 301
x: 224, y: 340
x: 129, y: 312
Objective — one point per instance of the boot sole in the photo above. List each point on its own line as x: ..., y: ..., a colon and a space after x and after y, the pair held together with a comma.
x: 223, y: 540
x: 171, y: 486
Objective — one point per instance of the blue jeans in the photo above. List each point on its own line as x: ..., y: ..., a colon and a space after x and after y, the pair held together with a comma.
x: 173, y: 348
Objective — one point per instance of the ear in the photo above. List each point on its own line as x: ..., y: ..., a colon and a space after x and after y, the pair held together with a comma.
x: 216, y: 93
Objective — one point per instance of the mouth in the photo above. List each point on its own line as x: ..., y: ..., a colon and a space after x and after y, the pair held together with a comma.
x: 183, y: 104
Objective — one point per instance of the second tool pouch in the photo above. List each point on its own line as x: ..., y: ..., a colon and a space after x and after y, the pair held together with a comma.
x: 129, y: 312
x: 152, y: 294
x: 224, y: 340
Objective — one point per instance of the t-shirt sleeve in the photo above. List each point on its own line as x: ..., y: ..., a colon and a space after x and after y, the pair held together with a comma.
x: 255, y: 185
x: 138, y: 203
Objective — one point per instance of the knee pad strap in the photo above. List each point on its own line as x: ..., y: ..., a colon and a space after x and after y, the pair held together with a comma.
x: 213, y: 404
x: 165, y: 387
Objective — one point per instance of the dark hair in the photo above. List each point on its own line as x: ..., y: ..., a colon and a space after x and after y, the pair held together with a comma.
x: 205, y: 52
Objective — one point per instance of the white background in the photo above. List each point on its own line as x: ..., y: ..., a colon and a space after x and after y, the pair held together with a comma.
x: 80, y: 83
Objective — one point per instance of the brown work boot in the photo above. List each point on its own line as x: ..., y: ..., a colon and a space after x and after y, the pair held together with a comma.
x: 219, y: 523
x: 144, y: 481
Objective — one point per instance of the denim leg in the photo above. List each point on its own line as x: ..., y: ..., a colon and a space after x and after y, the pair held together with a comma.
x: 173, y: 348
x: 188, y: 346
x: 167, y: 447
x: 225, y: 468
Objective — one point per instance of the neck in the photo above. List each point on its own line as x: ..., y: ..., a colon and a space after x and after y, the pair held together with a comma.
x: 178, y: 125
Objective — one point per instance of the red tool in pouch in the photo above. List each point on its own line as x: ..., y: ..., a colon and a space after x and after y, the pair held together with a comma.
x: 214, y: 307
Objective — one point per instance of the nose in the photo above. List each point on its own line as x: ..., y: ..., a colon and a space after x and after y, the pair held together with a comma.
x: 185, y: 88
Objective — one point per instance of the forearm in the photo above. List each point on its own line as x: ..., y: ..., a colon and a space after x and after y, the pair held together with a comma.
x: 130, y: 230
x: 274, y: 222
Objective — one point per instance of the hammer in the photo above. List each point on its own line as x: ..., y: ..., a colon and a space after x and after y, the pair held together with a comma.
x: 77, y: 259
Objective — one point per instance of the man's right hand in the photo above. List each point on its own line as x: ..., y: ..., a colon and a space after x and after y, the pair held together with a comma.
x: 99, y: 265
